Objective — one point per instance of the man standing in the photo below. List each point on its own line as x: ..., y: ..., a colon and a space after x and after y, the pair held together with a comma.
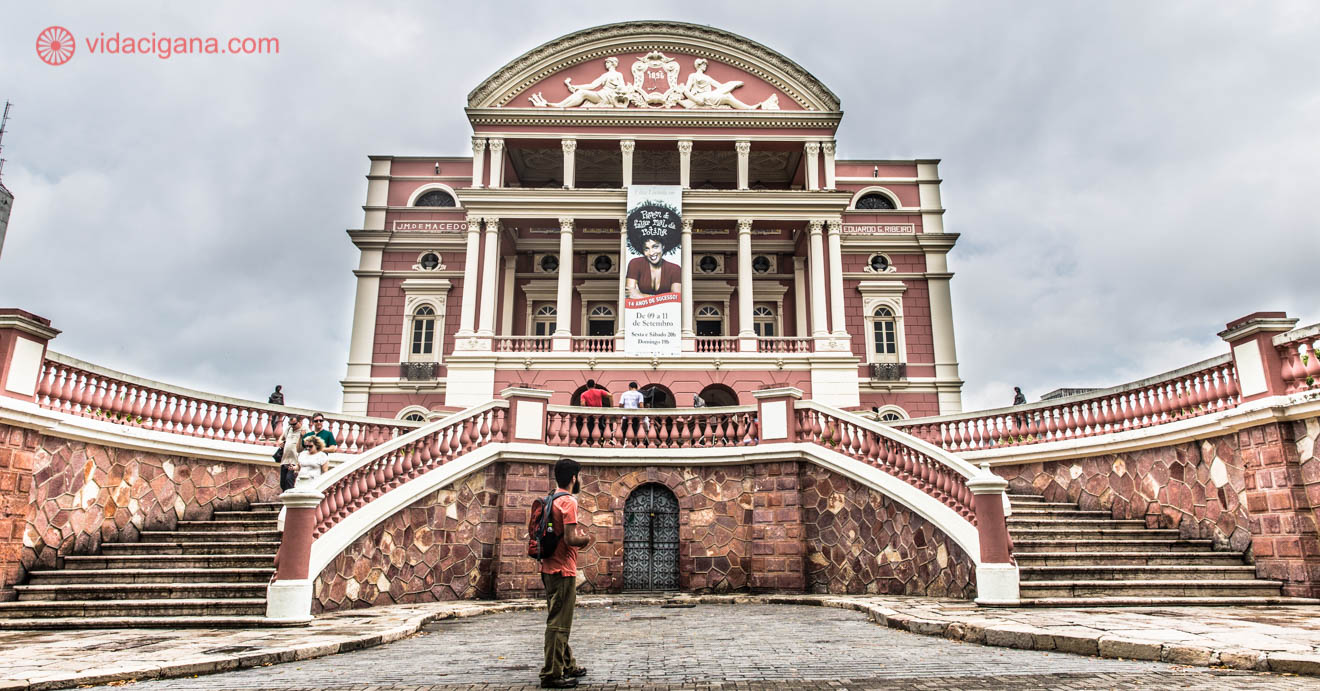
x: 632, y: 400
x: 559, y: 574
x: 318, y: 428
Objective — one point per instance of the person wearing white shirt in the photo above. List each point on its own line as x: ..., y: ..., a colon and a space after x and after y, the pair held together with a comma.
x: 313, y: 460
x: 632, y: 400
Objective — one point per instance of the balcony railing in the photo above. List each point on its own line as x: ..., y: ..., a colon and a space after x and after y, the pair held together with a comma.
x: 418, y: 371
x: 593, y: 344
x: 888, y: 371
x: 523, y: 344
x: 717, y: 344
x: 783, y: 344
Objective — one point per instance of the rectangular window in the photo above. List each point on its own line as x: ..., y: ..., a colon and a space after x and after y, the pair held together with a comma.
x: 423, y: 337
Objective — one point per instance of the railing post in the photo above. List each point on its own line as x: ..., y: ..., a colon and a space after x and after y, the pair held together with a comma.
x: 996, y: 574
x: 23, y: 340
x: 1259, y: 367
x: 527, y: 414
x: 289, y: 596
x: 775, y: 413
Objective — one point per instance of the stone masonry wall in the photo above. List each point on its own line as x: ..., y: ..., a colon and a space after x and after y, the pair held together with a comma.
x: 18, y: 451
x: 787, y: 526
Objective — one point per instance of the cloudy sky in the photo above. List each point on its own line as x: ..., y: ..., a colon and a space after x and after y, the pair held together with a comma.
x: 1126, y: 176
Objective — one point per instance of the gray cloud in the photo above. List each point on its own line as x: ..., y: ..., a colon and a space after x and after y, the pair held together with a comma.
x: 1127, y: 177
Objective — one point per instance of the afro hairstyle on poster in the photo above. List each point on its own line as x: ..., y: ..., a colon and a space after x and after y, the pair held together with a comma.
x: 640, y: 221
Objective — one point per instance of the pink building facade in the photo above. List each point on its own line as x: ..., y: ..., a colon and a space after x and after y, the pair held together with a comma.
x: 799, y: 267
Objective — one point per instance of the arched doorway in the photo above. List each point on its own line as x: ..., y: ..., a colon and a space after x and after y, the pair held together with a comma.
x: 657, y: 396
x: 650, y: 539
x: 717, y: 395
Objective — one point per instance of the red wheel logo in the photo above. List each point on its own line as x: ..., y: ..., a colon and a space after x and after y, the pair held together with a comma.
x: 55, y: 45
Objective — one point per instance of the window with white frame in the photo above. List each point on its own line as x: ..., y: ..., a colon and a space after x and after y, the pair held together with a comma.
x: 415, y: 417
x: 423, y: 334
x: 600, y: 321
x: 709, y: 321
x: 543, y: 320
x: 884, y: 332
x: 764, y: 321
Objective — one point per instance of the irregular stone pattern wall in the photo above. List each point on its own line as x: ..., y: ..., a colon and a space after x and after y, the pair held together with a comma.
x: 761, y: 527
x: 80, y: 495
x: 18, y: 451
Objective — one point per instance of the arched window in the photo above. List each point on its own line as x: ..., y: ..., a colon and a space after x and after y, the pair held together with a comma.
x: 415, y: 417
x: 600, y: 321
x: 543, y: 320
x: 763, y: 321
x: 875, y: 200
x: 710, y: 322
x: 435, y: 198
x: 890, y: 416
x: 886, y: 334
x: 423, y: 331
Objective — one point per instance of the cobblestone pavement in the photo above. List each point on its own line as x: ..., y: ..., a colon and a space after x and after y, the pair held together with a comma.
x: 715, y: 646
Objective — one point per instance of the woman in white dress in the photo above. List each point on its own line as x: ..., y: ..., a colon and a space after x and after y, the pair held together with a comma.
x: 313, y: 460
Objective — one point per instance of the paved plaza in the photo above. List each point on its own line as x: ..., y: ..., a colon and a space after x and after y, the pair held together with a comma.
x: 714, y: 646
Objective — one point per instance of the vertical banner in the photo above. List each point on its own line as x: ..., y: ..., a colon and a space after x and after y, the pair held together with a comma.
x: 653, y: 306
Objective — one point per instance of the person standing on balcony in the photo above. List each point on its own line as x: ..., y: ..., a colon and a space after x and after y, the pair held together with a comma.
x: 277, y: 398
x: 594, y: 396
x: 318, y: 429
x: 632, y: 400
x: 559, y: 574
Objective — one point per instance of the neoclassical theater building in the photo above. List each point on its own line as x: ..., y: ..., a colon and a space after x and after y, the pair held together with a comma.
x: 799, y: 267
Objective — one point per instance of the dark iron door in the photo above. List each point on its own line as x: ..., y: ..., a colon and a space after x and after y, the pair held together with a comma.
x: 650, y: 539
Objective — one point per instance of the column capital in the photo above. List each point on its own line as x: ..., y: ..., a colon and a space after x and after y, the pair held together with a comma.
x: 565, y: 225
x: 835, y: 225
x: 827, y: 147
x: 815, y: 225
x: 569, y: 145
x: 813, y: 148
x: 496, y: 144
x: 687, y: 225
x: 744, y: 226
x: 685, y: 146
x: 474, y: 224
x: 799, y: 262
x: 492, y: 223
x: 627, y: 145
x: 743, y: 147
x: 478, y: 144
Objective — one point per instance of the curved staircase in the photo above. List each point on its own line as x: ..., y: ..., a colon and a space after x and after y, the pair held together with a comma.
x: 1074, y: 558
x: 203, y: 573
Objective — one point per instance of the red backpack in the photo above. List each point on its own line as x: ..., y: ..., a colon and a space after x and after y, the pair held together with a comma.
x: 542, y: 534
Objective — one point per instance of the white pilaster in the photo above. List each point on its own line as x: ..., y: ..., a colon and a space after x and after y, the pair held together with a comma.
x: 506, y: 313
x: 689, y: 334
x: 746, y: 335
x: 813, y: 165
x: 378, y: 192
x: 619, y: 329
x: 478, y: 161
x: 816, y: 250
x: 570, y: 148
x: 467, y: 318
x: 626, y: 146
x: 744, y: 149
x: 800, y: 295
x: 837, y: 326
x: 941, y: 322
x: 828, y: 149
x: 364, y: 329
x: 928, y: 191
x: 685, y: 163
x: 489, y: 266
x: 564, y: 295
x: 496, y: 163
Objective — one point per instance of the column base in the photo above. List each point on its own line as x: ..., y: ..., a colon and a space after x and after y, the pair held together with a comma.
x: 689, y: 344
x: 747, y: 342
x: 997, y: 585
x: 561, y: 343
x: 289, y: 602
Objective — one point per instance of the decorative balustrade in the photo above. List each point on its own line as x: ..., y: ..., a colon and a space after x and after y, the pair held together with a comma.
x: 350, y: 487
x: 1200, y: 389
x: 593, y: 344
x: 524, y: 344
x: 70, y: 386
x: 783, y: 344
x: 717, y: 344
x: 1299, y: 352
x: 939, y: 475
x: 653, y: 428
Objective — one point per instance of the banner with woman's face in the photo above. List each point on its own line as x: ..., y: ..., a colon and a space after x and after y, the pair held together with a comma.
x: 653, y: 282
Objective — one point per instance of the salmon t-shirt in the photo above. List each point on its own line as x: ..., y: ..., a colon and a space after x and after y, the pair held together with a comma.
x: 564, y: 560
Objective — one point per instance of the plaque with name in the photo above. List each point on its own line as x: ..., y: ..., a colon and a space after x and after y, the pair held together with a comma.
x: 878, y: 228
x: 431, y: 226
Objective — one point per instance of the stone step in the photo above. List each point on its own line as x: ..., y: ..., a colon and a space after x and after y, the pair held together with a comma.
x: 1150, y: 588
x: 253, y: 607
x: 226, y: 526
x: 222, y: 621
x: 1254, y: 601
x: 1112, y: 544
x: 191, y: 547
x: 1093, y: 532
x: 1025, y: 498
x: 269, y: 514
x: 1127, y: 558
x: 196, y: 535
x: 1060, y: 514
x: 1138, y: 573
x: 1017, y: 523
x: 153, y: 575
x: 140, y: 591
x: 265, y: 506
x: 168, y: 561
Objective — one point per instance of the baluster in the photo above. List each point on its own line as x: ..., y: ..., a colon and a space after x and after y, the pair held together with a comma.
x: 485, y: 427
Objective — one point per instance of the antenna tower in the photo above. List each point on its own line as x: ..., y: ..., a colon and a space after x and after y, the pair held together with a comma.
x: 4, y: 120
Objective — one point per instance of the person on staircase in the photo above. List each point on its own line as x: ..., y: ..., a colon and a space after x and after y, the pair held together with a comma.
x: 313, y: 460
x: 291, y: 443
x: 318, y: 429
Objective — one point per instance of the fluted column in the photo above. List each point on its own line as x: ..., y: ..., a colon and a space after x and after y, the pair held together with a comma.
x: 496, y: 163
x: 813, y: 165
x: 489, y: 266
x: 800, y: 296
x: 619, y: 328
x: 626, y: 146
x: 478, y: 161
x: 746, y: 334
x: 570, y: 147
x: 564, y: 295
x: 837, y: 326
x: 685, y: 163
x: 744, y: 149
x: 816, y: 249
x: 689, y: 333
x: 467, y: 318
x: 828, y: 149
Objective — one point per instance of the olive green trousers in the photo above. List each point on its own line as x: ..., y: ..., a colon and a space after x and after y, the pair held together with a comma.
x: 561, y: 597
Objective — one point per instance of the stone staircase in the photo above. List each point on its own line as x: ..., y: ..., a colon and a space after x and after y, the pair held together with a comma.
x: 1074, y: 558
x: 204, y: 573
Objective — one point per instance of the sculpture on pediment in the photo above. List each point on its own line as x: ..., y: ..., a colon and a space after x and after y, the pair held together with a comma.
x: 655, y: 85
x: 703, y: 91
x: 609, y: 90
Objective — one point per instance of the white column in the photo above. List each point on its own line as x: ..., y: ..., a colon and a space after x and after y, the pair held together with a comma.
x: 496, y: 163
x: 928, y: 191
x: 564, y: 296
x: 837, y: 325
x: 364, y: 332
x: 478, y: 161
x: 828, y: 149
x: 689, y: 333
x: 489, y: 266
x: 467, y: 319
x: 816, y: 249
x: 619, y: 328
x: 800, y: 295
x: 744, y: 148
x: 746, y: 335
x: 685, y: 163
x: 813, y: 165
x: 941, y: 322
x: 506, y: 312
x: 626, y: 146
x: 569, y: 146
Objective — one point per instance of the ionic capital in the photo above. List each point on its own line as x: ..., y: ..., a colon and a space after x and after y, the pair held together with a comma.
x: 685, y: 146
x: 743, y: 147
x: 627, y: 145
x: 565, y: 225
x: 570, y: 145
x: 478, y: 144
x: 813, y: 148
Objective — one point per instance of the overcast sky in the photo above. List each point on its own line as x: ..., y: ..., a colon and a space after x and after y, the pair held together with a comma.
x: 1126, y: 176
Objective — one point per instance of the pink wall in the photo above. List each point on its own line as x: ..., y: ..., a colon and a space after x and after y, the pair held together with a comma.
x: 864, y: 169
x: 916, y: 404
x: 682, y: 383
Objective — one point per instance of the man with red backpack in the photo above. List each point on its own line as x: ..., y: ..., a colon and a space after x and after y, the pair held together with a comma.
x: 555, y: 537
